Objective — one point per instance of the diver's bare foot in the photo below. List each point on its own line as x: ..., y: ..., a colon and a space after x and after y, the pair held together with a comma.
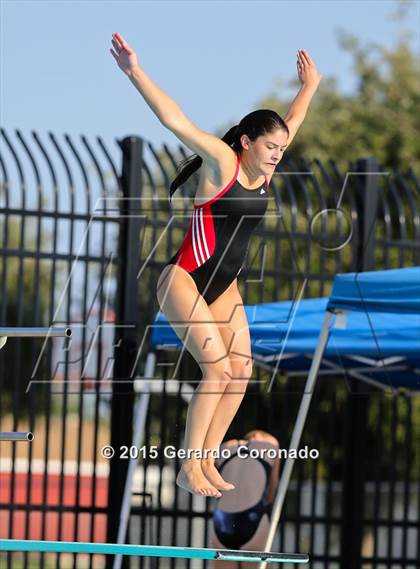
x: 213, y: 476
x: 192, y: 479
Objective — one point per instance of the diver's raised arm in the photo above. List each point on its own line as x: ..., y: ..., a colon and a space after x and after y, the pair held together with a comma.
x: 309, y: 78
x: 210, y: 148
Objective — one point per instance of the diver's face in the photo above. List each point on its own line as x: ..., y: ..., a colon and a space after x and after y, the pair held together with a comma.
x: 266, y: 151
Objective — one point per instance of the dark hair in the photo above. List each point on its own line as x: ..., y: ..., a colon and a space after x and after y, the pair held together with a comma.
x: 254, y: 124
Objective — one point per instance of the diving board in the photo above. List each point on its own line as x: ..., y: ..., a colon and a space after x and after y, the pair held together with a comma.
x: 149, y: 551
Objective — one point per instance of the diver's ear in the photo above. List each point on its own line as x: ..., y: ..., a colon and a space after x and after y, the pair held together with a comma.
x: 245, y: 142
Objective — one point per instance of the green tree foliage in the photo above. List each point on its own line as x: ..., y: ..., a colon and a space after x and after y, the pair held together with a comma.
x: 381, y: 118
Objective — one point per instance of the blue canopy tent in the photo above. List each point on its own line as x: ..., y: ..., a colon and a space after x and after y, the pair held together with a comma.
x: 372, y: 346
x: 392, y: 293
x: 370, y: 327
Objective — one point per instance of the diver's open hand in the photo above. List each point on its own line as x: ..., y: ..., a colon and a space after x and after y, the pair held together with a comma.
x: 123, y: 54
x: 307, y: 71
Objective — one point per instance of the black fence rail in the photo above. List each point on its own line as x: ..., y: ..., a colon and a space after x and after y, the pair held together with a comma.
x: 85, y: 230
x: 56, y: 267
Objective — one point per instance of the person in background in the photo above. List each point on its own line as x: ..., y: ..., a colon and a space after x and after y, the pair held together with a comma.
x: 241, y: 519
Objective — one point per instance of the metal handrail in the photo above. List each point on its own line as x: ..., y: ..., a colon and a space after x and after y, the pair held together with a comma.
x: 16, y: 436
x: 35, y: 332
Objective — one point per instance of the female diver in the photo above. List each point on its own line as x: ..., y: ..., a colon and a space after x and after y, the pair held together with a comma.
x: 197, y: 289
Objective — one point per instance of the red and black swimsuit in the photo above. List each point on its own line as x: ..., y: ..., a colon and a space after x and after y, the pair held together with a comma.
x: 218, y: 237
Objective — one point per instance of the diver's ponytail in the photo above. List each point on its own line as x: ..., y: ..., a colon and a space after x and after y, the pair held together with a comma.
x: 187, y: 167
x: 232, y: 137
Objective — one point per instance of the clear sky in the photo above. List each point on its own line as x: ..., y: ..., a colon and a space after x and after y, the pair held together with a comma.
x: 217, y: 59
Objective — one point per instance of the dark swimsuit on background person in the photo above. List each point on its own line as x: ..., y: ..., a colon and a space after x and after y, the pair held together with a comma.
x: 216, y: 244
x: 234, y: 529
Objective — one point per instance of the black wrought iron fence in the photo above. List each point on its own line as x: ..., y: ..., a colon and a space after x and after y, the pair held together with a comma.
x: 85, y: 230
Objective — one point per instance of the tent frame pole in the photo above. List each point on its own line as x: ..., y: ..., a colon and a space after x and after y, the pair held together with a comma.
x: 297, y: 432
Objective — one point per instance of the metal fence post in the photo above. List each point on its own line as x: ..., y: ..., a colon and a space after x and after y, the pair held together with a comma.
x: 366, y: 195
x: 128, y: 319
